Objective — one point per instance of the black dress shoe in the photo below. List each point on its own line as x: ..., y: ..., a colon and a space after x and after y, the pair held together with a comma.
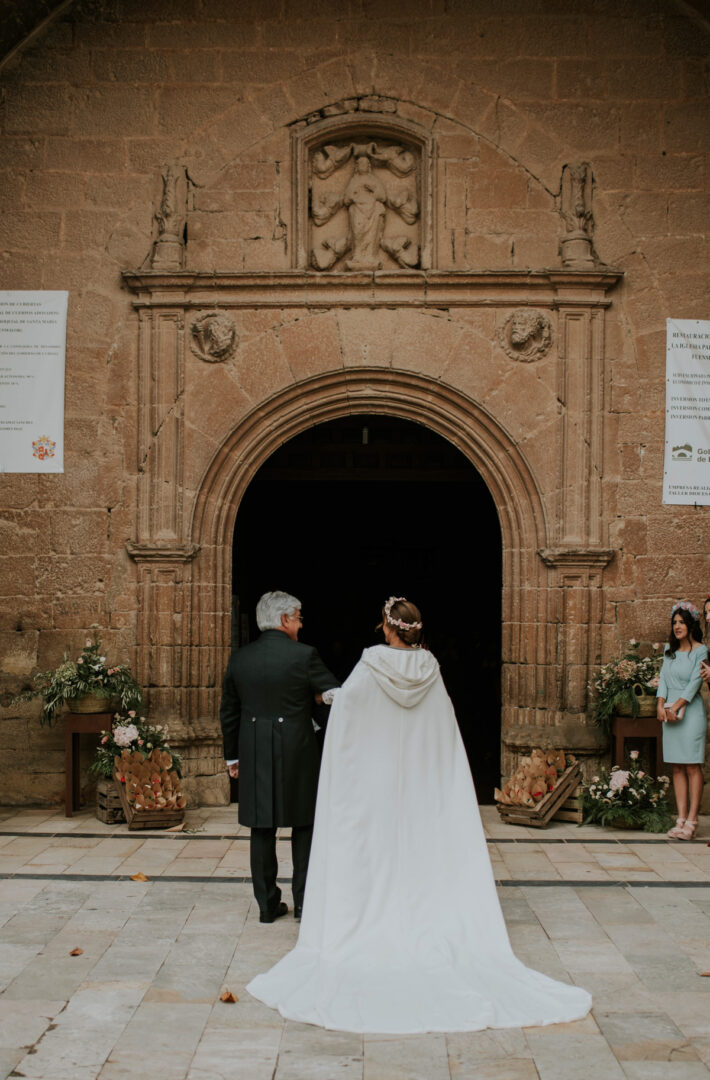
x: 297, y: 912
x: 271, y: 916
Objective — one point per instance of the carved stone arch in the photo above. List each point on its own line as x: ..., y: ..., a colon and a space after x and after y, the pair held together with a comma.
x: 526, y: 681
x: 384, y: 130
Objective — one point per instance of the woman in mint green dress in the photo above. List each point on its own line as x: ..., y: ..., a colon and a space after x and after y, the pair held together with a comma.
x: 684, y: 720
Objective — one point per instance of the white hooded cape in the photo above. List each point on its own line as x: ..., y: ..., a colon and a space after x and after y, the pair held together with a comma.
x: 402, y: 930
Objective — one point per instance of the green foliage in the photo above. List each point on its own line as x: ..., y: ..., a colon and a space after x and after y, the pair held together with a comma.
x: 131, y: 732
x: 88, y: 674
x: 622, y: 682
x: 628, y: 797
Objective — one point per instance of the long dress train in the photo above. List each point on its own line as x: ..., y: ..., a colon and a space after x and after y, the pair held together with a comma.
x: 402, y: 930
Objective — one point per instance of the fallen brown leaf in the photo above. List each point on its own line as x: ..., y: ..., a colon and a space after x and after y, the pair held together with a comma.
x: 705, y: 974
x: 138, y: 877
x: 177, y: 828
x: 227, y: 995
x: 76, y: 952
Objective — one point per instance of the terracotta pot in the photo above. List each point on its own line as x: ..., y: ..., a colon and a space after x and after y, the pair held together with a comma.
x: 91, y: 703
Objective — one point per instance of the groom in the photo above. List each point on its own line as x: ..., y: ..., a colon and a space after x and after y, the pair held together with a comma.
x: 269, y: 743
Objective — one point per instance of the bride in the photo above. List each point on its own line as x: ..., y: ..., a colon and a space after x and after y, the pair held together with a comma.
x: 402, y: 930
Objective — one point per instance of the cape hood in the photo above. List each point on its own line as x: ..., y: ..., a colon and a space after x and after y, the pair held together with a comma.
x: 405, y: 675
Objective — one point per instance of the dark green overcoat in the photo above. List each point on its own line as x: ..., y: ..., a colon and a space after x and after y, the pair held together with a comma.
x: 267, y: 704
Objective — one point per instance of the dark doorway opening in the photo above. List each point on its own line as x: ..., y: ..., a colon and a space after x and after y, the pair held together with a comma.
x: 358, y: 509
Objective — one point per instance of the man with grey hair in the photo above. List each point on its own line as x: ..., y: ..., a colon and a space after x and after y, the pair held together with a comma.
x: 269, y: 743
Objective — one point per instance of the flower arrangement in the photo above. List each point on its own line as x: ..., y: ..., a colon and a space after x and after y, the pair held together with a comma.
x: 88, y: 674
x: 131, y: 732
x: 628, y: 798
x: 623, y: 681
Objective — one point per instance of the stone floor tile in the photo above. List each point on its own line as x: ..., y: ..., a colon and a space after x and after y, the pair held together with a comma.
x: 9, y: 1058
x: 206, y: 849
x: 580, y: 957
x: 170, y: 1031
x: 561, y: 1056
x: 189, y: 867
x: 92, y: 864
x: 256, y: 1066
x: 22, y: 1023
x: 582, y: 871
x: 13, y: 960
x: 415, y: 1057
x: 648, y: 1036
x: 665, y: 1070
x: 470, y: 1050
x: 688, y: 1010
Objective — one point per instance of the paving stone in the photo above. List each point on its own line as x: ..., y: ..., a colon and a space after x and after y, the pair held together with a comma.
x: 665, y: 1070
x: 644, y: 1037
x: 561, y: 1056
x: 22, y: 1023
x: 417, y: 1057
x: 171, y: 1033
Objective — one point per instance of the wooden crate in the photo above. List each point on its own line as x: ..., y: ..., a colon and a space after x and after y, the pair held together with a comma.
x: 571, y: 809
x: 108, y: 803
x: 539, y: 816
x: 147, y: 819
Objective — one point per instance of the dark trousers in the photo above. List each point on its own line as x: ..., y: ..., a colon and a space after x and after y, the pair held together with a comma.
x: 264, y: 867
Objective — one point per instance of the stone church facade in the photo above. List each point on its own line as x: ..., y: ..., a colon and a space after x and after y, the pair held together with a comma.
x: 475, y: 216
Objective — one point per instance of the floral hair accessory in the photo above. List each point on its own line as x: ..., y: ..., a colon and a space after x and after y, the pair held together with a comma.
x: 690, y: 608
x: 399, y: 622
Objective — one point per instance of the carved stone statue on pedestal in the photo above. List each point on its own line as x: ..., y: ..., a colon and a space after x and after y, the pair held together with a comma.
x: 576, y: 247
x: 169, y: 247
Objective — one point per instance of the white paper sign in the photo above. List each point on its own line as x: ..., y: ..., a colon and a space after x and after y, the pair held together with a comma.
x: 33, y: 334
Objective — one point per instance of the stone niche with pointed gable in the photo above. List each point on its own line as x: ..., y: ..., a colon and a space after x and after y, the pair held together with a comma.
x: 362, y: 196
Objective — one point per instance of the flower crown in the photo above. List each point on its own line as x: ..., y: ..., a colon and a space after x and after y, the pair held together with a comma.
x: 399, y: 622
x: 690, y: 608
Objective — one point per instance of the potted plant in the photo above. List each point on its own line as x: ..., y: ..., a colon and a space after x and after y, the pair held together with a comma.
x: 87, y: 684
x: 626, y: 685
x: 627, y: 799
x: 131, y: 732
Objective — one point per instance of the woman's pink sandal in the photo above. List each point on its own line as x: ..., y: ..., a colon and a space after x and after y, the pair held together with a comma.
x: 688, y: 830
x: 674, y: 833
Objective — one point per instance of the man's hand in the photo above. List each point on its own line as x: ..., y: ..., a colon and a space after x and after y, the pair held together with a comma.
x: 704, y: 670
x: 233, y: 770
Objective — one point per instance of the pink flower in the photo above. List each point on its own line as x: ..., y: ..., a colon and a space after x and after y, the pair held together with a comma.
x: 104, y: 740
x: 131, y: 713
x: 619, y: 779
x: 641, y: 773
x: 656, y: 645
x: 140, y: 742
x: 88, y: 643
x: 654, y: 682
x: 634, y: 754
x: 80, y: 660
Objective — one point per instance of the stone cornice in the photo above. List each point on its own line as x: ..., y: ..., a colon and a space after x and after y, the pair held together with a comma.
x: 436, y: 288
x: 577, y: 558
x: 162, y: 553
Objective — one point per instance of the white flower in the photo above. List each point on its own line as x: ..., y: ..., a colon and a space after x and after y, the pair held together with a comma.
x: 633, y: 641
x: 619, y: 779
x: 125, y: 734
x: 595, y: 779
x: 88, y: 643
x: 102, y: 659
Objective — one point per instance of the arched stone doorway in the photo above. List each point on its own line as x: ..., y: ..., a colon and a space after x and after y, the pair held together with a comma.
x: 354, y: 509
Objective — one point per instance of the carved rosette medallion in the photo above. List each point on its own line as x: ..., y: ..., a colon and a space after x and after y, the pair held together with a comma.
x: 213, y: 337
x: 526, y: 334
x: 364, y: 211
